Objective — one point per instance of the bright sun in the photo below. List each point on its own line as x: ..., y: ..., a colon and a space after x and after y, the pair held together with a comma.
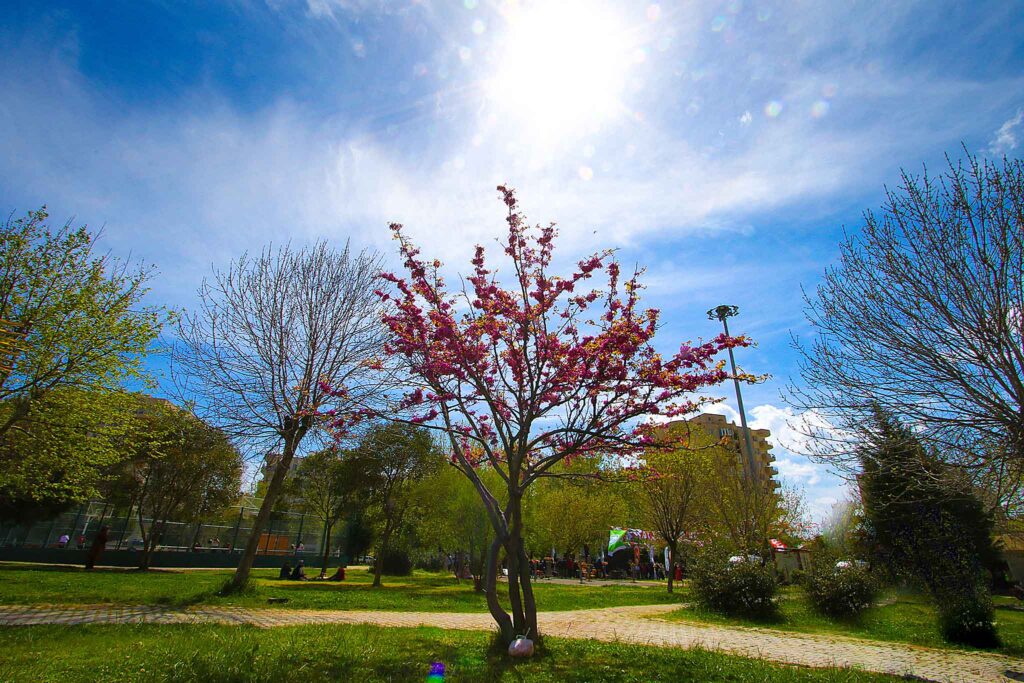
x: 563, y: 67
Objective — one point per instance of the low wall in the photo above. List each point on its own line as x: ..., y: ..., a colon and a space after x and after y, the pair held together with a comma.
x: 130, y: 558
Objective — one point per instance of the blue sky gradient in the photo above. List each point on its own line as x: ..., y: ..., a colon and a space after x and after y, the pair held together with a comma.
x: 743, y: 138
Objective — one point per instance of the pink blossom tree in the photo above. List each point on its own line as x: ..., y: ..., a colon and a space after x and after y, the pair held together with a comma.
x: 539, y: 372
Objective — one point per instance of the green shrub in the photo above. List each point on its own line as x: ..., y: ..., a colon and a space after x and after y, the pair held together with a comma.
x: 397, y: 563
x: 966, y: 616
x: 797, y: 577
x: 840, y: 591
x: 743, y: 588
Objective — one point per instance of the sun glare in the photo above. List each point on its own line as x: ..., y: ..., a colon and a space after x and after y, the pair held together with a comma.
x: 562, y: 68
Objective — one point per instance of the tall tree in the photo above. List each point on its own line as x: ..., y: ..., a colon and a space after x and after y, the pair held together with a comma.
x: 525, y: 376
x: 394, y: 458
x: 674, y: 495
x: 923, y: 519
x: 922, y: 317
x: 327, y: 482
x: 269, y: 335
x: 183, y: 470
x: 72, y: 324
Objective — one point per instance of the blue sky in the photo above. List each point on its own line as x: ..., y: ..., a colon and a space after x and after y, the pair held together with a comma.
x: 725, y: 146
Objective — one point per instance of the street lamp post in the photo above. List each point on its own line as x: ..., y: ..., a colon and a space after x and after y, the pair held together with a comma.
x: 723, y: 313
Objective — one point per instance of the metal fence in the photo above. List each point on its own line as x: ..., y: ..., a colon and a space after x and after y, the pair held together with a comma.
x: 286, y: 532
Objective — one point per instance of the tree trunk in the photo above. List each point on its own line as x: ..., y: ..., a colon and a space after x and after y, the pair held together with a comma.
x: 378, y: 566
x: 147, y: 541
x: 241, y: 577
x: 529, y: 603
x: 501, y: 617
x: 327, y: 551
x: 517, y: 573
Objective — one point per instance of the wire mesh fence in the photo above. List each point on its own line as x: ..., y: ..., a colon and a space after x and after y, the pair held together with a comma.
x: 287, y: 532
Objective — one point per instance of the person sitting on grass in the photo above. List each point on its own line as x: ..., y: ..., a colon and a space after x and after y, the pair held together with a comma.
x: 286, y: 571
x: 338, y: 575
x: 299, y: 573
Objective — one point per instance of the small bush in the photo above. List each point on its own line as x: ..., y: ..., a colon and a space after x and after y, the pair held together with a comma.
x: 743, y: 588
x: 431, y: 563
x: 844, y: 591
x: 397, y: 563
x: 966, y: 616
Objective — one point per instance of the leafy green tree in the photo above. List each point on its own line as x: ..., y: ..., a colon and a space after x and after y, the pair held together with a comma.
x: 358, y: 537
x: 452, y: 517
x: 71, y: 319
x: 924, y: 520
x: 395, y: 458
x: 674, y: 496
x: 73, y: 329
x: 575, y: 507
x: 183, y: 470
x: 62, y: 452
x: 327, y: 483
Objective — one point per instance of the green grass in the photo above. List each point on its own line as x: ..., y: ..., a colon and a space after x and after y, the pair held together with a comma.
x: 355, y: 653
x: 422, y: 592
x: 904, y: 617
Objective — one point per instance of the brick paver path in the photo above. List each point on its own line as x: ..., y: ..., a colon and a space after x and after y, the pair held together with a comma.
x: 638, y: 625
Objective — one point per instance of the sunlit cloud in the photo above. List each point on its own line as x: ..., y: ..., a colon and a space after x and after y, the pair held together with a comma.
x: 1006, y: 138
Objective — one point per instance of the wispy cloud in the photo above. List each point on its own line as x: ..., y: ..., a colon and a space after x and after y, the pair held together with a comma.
x: 1007, y: 137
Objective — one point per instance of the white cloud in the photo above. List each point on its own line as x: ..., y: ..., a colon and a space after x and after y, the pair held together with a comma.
x: 803, y: 472
x: 1006, y: 138
x: 790, y: 447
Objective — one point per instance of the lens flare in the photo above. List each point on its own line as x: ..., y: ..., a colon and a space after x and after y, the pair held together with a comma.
x: 773, y: 109
x: 436, y: 674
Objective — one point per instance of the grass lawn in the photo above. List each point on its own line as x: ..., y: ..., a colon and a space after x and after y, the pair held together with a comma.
x: 354, y: 653
x: 910, y: 619
x: 422, y: 592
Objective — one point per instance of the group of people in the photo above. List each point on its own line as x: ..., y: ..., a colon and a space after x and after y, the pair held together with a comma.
x: 65, y: 539
x: 568, y: 567
x: 298, y: 572
x: 645, y: 569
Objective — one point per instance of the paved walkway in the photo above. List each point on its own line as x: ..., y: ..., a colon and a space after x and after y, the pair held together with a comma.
x: 639, y: 625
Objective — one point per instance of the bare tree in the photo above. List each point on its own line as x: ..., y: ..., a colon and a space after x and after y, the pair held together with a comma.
x: 923, y: 318
x: 269, y: 336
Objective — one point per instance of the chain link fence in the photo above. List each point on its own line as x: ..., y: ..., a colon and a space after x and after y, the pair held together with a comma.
x: 286, y: 533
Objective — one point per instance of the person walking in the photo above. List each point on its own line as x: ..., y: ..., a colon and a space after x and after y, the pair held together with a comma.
x: 99, y: 544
